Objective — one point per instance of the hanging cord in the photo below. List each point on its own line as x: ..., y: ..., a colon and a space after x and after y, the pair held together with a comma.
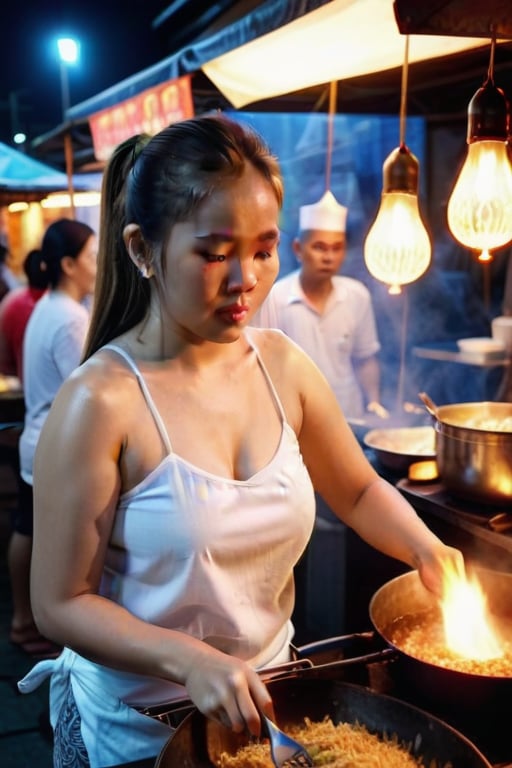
x: 405, y: 296
x: 486, y: 264
x: 403, y: 351
x: 490, y: 71
x: 403, y: 95
x: 330, y: 131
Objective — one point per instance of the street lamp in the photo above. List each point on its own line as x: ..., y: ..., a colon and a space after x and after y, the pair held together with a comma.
x: 68, y: 54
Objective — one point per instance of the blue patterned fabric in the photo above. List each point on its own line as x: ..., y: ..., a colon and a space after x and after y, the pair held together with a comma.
x: 69, y: 749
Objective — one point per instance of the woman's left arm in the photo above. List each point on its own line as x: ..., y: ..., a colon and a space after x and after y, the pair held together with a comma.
x: 362, y: 499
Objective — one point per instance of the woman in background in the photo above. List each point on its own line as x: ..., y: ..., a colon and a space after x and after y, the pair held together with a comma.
x: 52, y: 348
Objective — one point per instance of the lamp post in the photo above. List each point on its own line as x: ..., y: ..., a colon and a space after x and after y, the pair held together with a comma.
x: 68, y: 54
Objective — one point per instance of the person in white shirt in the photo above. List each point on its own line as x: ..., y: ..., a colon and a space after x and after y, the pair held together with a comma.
x: 52, y: 348
x: 328, y: 315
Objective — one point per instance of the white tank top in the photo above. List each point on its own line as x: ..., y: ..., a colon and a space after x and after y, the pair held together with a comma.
x: 211, y: 556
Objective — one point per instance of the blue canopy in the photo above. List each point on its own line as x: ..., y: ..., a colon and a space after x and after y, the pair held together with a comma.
x: 23, y: 172
x: 23, y: 177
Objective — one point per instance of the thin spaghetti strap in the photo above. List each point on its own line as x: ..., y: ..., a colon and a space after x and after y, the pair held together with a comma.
x: 268, y: 379
x: 146, y: 393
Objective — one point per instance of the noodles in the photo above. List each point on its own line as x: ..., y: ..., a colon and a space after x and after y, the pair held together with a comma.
x: 421, y: 635
x: 413, y: 441
x: 334, y: 746
x: 490, y: 424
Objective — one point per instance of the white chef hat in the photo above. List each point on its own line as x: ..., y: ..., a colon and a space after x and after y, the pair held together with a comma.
x: 327, y: 214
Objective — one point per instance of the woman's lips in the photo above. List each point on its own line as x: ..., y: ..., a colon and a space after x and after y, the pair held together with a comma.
x: 235, y: 313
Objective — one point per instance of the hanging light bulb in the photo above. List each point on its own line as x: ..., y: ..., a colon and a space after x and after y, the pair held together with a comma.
x: 397, y: 249
x: 480, y: 206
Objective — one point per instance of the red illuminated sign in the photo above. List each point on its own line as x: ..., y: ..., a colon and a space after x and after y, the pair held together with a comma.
x: 148, y: 112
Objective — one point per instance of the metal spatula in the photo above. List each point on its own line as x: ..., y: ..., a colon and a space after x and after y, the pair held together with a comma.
x: 285, y: 751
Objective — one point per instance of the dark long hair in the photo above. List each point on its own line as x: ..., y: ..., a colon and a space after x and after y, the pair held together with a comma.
x: 156, y: 183
x: 64, y: 237
x: 35, y: 270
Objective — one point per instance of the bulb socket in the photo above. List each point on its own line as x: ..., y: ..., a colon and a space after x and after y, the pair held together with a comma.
x: 488, y: 114
x: 400, y: 171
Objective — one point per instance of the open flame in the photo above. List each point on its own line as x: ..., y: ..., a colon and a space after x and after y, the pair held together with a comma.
x: 467, y: 622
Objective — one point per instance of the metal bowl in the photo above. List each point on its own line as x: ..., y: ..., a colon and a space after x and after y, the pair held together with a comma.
x: 398, y: 448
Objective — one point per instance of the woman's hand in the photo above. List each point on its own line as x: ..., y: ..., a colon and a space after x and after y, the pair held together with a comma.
x: 440, y: 564
x: 228, y: 690
x: 378, y: 409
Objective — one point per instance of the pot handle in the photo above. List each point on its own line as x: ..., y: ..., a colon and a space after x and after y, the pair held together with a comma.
x: 333, y: 653
x: 358, y: 643
x: 429, y: 404
x: 287, y: 669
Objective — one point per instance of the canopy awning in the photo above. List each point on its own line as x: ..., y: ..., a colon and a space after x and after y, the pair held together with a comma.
x: 340, y: 40
x: 24, y: 178
x: 268, y: 16
x: 281, y: 47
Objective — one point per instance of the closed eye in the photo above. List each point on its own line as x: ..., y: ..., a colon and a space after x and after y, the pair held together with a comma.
x: 213, y: 257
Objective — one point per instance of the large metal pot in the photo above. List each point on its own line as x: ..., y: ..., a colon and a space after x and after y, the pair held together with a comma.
x: 475, y: 462
x: 197, y: 741
x: 458, y: 691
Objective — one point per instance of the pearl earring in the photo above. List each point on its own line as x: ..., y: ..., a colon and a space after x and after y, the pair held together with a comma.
x: 146, y: 271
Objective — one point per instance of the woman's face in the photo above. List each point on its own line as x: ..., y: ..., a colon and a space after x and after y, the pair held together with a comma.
x: 84, y: 268
x: 221, y: 264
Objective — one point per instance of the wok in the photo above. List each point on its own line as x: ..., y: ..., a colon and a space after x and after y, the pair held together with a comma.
x: 197, y: 741
x: 362, y: 425
x: 462, y: 692
x: 396, y: 448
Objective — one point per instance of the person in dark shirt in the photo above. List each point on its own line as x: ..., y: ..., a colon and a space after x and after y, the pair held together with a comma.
x: 7, y: 279
x: 15, y: 310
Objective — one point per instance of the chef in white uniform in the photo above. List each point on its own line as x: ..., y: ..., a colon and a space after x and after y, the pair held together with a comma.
x: 329, y: 315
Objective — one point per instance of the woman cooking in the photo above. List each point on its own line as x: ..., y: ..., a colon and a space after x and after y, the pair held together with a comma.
x: 179, y: 462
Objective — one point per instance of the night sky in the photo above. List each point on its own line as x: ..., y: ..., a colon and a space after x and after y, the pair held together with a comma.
x: 116, y: 41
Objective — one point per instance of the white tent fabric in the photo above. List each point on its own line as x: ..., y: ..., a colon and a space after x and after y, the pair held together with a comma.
x: 342, y: 39
x: 281, y: 47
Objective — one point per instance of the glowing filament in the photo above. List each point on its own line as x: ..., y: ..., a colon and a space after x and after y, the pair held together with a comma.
x: 397, y: 249
x: 480, y: 206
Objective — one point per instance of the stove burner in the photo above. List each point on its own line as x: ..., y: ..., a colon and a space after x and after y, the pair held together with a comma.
x: 437, y: 494
x: 482, y: 531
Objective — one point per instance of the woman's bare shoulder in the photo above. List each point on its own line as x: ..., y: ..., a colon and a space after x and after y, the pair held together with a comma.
x: 274, y: 345
x: 100, y: 387
x: 271, y: 340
